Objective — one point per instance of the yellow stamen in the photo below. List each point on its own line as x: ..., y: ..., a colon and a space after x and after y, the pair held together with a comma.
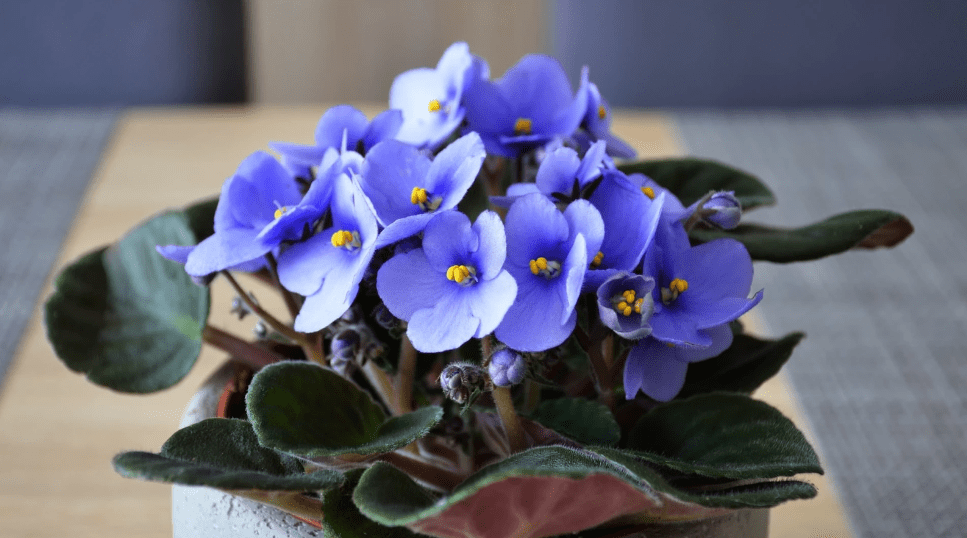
x: 280, y: 211
x: 598, y: 258
x: 538, y: 265
x: 602, y: 113
x: 626, y: 310
x: 638, y: 303
x: 434, y: 105
x: 522, y: 126
x: 459, y: 273
x: 678, y: 285
x: 629, y: 295
x: 418, y: 196
x: 649, y: 192
x: 342, y: 238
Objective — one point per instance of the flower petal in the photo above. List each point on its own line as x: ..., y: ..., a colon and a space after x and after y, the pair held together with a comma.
x: 492, y: 251
x: 445, y: 326
x: 652, y: 368
x: 453, y: 170
x: 449, y: 240
x: 335, y: 122
x: 406, y: 283
x: 390, y: 172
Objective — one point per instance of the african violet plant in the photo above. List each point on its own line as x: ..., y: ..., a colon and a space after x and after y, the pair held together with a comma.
x: 484, y: 305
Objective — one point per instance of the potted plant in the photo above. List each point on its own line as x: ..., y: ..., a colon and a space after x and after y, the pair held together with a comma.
x: 492, y: 328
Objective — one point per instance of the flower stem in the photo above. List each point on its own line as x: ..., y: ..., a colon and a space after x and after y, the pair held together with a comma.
x: 253, y: 354
x: 382, y: 384
x: 441, y: 478
x: 406, y: 369
x: 290, y: 301
x: 311, y: 351
x: 510, y: 420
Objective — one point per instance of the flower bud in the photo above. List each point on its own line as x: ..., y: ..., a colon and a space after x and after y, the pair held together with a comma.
x: 460, y: 380
x: 723, y: 210
x: 507, y: 367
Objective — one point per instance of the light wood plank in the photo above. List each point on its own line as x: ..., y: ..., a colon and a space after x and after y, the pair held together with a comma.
x: 58, y: 432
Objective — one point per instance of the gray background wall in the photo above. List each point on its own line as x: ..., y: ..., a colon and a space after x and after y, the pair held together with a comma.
x: 753, y: 53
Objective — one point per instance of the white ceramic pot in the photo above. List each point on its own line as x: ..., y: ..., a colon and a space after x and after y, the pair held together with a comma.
x: 200, y: 512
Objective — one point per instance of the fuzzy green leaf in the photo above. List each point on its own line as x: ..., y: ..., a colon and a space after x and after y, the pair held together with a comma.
x: 343, y: 520
x: 746, y: 365
x: 311, y: 412
x: 223, y: 453
x: 866, y: 229
x: 587, y: 422
x: 689, y: 179
x: 125, y: 316
x: 725, y: 436
x: 548, y: 491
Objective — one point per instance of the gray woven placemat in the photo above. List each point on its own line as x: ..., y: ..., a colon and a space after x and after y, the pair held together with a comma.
x: 46, y: 161
x: 882, y: 375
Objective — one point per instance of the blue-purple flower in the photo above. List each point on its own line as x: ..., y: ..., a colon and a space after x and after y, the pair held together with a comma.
x: 454, y: 287
x: 630, y: 217
x: 407, y: 189
x: 625, y: 304
x: 528, y: 107
x: 328, y: 267
x: 547, y: 254
x: 344, y: 128
x: 597, y: 126
x: 431, y: 100
x: 698, y: 291
x: 562, y: 176
x: 251, y: 219
x: 507, y: 367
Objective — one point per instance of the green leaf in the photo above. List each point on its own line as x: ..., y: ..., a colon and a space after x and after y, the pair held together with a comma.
x: 201, y: 218
x: 690, y: 179
x: 223, y: 453
x: 343, y: 520
x: 724, y: 436
x: 547, y: 491
x: 746, y: 365
x: 867, y: 229
x: 585, y: 421
x: 125, y: 316
x: 309, y: 411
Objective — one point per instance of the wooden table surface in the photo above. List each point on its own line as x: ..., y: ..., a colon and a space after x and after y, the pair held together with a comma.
x: 58, y: 432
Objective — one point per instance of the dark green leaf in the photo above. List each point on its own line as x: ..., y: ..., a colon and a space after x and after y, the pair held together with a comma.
x: 343, y: 520
x: 125, y: 316
x: 746, y: 365
x: 201, y: 218
x: 309, y: 411
x: 222, y: 453
x: 689, y: 179
x: 550, y: 490
x: 867, y: 229
x: 723, y: 435
x: 585, y: 421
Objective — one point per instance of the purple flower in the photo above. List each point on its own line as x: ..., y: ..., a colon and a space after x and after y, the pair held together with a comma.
x: 630, y: 217
x: 507, y: 367
x: 698, y: 291
x: 453, y: 288
x: 407, y: 189
x: 720, y: 209
x: 327, y: 267
x: 658, y: 369
x: 562, y: 176
x: 547, y: 254
x: 625, y: 304
x: 531, y: 105
x: 597, y: 126
x: 431, y: 100
x: 341, y: 127
x: 251, y: 220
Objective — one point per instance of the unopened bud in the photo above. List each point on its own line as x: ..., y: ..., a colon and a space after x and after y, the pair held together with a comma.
x: 460, y: 380
x: 260, y: 330
x: 723, y: 209
x: 507, y: 367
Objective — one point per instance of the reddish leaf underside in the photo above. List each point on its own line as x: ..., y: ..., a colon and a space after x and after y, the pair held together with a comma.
x: 539, y: 506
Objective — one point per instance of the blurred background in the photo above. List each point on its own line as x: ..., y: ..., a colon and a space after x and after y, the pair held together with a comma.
x: 836, y: 104
x: 667, y: 53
